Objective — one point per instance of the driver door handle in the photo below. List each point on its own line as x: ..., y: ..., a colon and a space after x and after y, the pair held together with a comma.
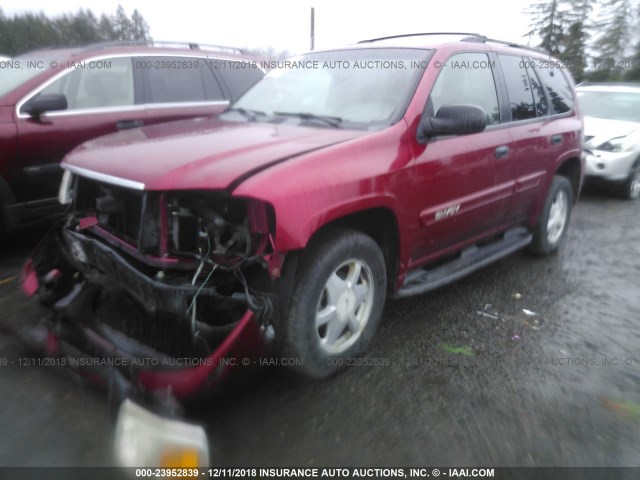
x: 126, y: 124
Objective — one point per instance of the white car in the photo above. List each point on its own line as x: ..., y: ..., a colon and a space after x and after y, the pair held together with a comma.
x: 612, y: 134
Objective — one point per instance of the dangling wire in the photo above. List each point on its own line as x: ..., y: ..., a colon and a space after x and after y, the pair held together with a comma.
x: 261, y: 305
x: 193, y: 302
x: 193, y: 282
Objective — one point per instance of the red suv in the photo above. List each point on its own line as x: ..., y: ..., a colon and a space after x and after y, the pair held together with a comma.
x: 383, y: 169
x: 53, y: 100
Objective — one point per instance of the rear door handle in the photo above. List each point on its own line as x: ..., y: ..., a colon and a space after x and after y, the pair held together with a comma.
x: 556, y: 139
x: 126, y: 124
x: 502, y: 152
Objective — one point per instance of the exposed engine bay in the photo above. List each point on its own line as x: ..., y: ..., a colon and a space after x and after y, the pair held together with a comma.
x: 171, y: 273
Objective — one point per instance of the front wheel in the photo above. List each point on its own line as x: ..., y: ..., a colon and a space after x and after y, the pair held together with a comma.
x: 337, y: 302
x: 551, y: 228
x: 631, y: 187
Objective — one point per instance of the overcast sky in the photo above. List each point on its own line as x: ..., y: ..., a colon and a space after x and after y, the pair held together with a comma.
x: 284, y: 24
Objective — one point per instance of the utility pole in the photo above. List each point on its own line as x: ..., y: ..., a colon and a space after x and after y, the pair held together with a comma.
x: 313, y: 27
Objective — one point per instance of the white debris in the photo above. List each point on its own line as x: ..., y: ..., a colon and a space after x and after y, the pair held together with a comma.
x: 487, y: 315
x: 529, y: 313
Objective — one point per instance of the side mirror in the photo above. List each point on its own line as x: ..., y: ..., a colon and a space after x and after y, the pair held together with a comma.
x: 46, y: 103
x: 453, y: 120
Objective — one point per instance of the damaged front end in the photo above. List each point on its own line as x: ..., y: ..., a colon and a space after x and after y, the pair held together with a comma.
x: 167, y: 291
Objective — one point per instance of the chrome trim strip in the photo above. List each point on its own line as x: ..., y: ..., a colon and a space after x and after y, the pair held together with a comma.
x: 89, y: 111
x: 103, y: 177
x: 132, y: 108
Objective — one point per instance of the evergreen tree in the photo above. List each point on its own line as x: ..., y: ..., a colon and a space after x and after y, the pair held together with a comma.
x: 22, y: 33
x: 79, y: 29
x: 573, y: 50
x: 122, y: 26
x: 613, y: 41
x: 633, y: 73
x: 548, y: 23
x: 139, y: 28
x: 105, y: 29
x: 28, y: 32
x: 573, y: 53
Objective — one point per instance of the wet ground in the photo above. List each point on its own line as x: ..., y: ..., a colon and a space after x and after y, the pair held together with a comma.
x: 462, y: 376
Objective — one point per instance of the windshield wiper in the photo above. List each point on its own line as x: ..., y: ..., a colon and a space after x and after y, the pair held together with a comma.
x: 332, y: 121
x: 248, y: 114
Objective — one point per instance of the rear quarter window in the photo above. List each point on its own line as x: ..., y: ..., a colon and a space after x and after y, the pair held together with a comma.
x: 557, y: 89
x: 538, y: 92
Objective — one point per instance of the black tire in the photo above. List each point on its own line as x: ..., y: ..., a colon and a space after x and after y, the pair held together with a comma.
x: 631, y: 187
x: 548, y: 234
x: 349, y: 258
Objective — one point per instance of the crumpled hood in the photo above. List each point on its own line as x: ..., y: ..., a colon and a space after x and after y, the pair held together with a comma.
x: 602, y: 130
x: 203, y: 153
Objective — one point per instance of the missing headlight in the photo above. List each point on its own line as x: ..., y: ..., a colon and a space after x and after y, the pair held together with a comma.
x: 212, y: 228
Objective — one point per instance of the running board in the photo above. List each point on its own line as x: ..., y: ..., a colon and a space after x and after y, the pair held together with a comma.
x: 425, y: 279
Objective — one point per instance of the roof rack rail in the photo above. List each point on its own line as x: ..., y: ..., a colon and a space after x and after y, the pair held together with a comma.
x: 591, y: 83
x: 162, y: 44
x: 483, y: 39
x: 419, y: 35
x: 470, y: 37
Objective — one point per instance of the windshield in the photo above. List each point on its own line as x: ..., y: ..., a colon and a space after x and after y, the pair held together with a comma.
x: 350, y: 88
x: 15, y: 71
x: 610, y: 105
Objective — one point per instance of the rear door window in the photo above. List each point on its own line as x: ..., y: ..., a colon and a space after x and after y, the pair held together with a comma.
x: 519, y: 89
x: 172, y: 79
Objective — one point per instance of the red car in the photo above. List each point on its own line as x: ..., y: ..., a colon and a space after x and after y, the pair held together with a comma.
x: 383, y: 169
x: 51, y: 101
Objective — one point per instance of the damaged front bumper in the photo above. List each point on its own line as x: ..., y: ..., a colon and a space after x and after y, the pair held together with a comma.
x: 117, y: 324
x: 70, y: 272
x: 160, y: 296
x: 76, y: 275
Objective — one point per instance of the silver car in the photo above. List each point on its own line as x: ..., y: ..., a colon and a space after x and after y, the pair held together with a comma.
x: 612, y: 134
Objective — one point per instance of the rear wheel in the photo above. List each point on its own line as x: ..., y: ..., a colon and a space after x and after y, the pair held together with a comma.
x: 337, y: 302
x: 631, y: 187
x: 551, y: 228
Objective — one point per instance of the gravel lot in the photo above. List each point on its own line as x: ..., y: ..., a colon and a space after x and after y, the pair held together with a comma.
x: 462, y: 376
